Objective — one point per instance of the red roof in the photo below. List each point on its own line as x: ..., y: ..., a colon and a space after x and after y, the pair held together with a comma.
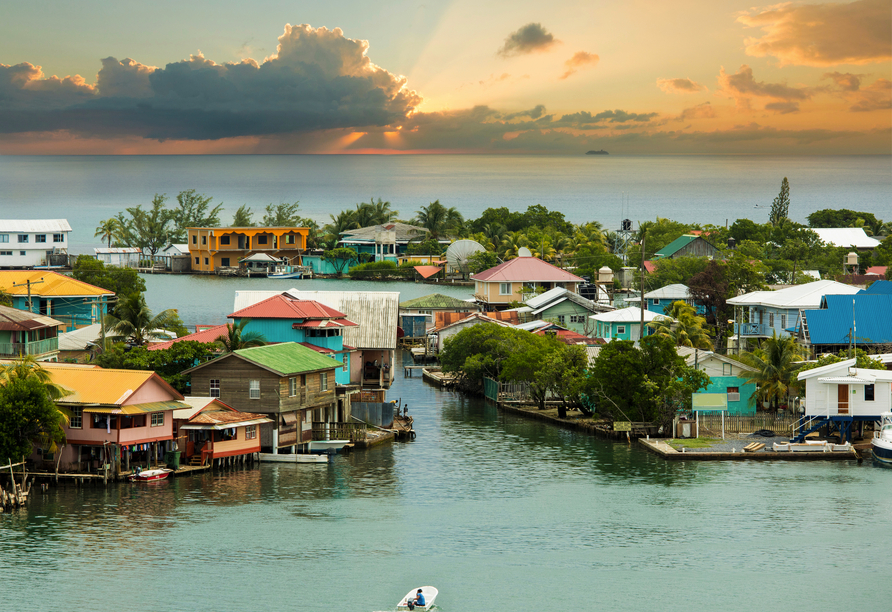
x: 286, y: 307
x: 204, y: 334
x: 878, y: 270
x: 568, y: 336
x: 427, y: 271
x: 527, y: 269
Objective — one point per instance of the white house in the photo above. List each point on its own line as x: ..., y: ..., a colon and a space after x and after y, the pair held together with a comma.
x: 28, y: 243
x: 122, y: 257
x: 846, y: 237
x: 843, y: 390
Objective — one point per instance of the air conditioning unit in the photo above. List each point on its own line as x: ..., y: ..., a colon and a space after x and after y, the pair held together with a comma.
x: 733, y: 397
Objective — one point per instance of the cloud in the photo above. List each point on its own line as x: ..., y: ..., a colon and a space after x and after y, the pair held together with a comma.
x: 783, y: 107
x: 846, y: 81
x: 701, y: 111
x: 680, y: 86
x: 742, y: 87
x: 621, y: 116
x: 877, y: 96
x: 529, y: 39
x: 580, y: 59
x: 318, y: 79
x: 534, y: 113
x: 822, y: 34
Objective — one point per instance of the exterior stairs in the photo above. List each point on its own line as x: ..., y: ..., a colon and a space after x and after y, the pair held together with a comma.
x: 807, y: 425
x: 195, y: 460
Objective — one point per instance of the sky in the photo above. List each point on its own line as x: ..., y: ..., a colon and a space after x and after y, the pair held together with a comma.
x: 632, y: 77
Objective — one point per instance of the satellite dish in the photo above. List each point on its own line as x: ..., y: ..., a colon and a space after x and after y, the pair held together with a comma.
x: 524, y: 252
x: 458, y: 253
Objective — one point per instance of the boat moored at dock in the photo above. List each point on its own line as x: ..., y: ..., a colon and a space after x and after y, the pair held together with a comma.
x: 881, y: 444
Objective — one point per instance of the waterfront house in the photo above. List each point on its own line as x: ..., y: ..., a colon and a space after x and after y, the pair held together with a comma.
x: 122, y: 414
x: 417, y: 315
x: 660, y: 299
x: 374, y: 335
x: 384, y: 242
x: 863, y: 319
x: 567, y: 309
x: 209, y: 429
x: 25, y: 333
x: 839, y: 395
x: 724, y: 377
x: 283, y: 318
x: 291, y: 384
x: 55, y: 295
x: 689, y: 245
x: 215, y: 247
x: 624, y: 323
x: 518, y: 279
x: 448, y: 331
x: 30, y: 243
x: 761, y: 313
x: 121, y: 257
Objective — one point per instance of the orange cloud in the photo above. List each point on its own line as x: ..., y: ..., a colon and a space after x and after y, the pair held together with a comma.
x: 877, y: 96
x: 846, y: 81
x: 822, y: 34
x: 742, y: 87
x: 680, y: 86
x: 701, y: 111
x: 530, y: 38
x: 581, y: 59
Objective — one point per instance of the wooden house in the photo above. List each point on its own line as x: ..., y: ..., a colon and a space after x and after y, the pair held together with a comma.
x: 689, y: 245
x: 725, y: 376
x: 26, y: 333
x: 291, y: 384
x: 209, y: 430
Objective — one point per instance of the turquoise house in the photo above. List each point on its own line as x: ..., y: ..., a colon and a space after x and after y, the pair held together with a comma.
x: 724, y: 377
x: 624, y: 323
x: 320, y: 266
x: 283, y: 318
x: 661, y: 299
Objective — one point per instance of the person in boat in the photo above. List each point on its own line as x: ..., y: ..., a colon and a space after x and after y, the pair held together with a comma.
x: 418, y: 601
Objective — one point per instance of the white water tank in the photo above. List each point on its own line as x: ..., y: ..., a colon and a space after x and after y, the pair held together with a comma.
x: 605, y: 275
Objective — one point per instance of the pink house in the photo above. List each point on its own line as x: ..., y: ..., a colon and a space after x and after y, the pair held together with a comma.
x: 116, y: 416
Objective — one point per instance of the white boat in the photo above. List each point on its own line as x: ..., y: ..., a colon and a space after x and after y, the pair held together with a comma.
x: 293, y: 458
x: 286, y: 271
x: 430, y: 594
x: 150, y: 475
x: 881, y: 444
x: 327, y: 446
x: 812, y: 446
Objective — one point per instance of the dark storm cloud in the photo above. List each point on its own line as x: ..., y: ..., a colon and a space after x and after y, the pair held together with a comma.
x: 318, y: 79
x: 530, y: 38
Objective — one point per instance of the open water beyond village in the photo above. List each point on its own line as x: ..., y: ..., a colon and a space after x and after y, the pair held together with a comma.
x: 496, y: 511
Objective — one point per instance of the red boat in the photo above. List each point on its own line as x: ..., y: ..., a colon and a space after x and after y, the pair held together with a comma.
x: 150, y: 475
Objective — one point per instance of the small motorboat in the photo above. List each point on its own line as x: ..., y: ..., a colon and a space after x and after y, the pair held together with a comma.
x: 429, y: 592
x: 150, y: 475
x: 881, y: 444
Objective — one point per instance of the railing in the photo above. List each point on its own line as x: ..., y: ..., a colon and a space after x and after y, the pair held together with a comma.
x: 355, y: 432
x: 782, y: 424
x: 37, y: 347
x: 752, y: 329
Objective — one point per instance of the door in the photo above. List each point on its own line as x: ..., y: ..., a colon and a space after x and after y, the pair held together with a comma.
x: 842, y: 399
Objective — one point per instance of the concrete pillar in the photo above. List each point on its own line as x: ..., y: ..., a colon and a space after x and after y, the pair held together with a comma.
x: 276, y: 440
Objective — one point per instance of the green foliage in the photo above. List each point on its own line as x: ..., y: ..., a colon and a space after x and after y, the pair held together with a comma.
x: 661, y: 233
x: 237, y: 338
x: 122, y: 281
x: 27, y: 417
x: 439, y: 220
x: 780, y: 208
x: 133, y: 322
x: 428, y: 247
x: 685, y: 328
x: 862, y: 360
x: 340, y: 258
x: 674, y: 270
x: 843, y: 217
x: 480, y: 351
x: 168, y: 363
x: 547, y: 365
x: 149, y: 229
x: 745, y: 229
x: 243, y: 217
x: 482, y: 260
x: 108, y: 230
x: 775, y: 366
x: 380, y: 270
x: 192, y: 210
x: 281, y: 215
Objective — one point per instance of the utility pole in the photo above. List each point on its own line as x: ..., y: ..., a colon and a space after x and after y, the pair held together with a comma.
x: 30, y: 282
x: 641, y: 303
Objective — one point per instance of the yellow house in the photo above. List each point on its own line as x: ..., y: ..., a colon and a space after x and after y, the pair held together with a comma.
x: 507, y: 282
x: 214, y: 247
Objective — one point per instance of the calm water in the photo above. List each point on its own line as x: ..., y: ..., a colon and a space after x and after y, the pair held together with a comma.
x: 486, y: 507
x: 88, y: 189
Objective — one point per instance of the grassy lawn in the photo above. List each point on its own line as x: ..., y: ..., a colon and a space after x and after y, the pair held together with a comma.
x: 693, y: 443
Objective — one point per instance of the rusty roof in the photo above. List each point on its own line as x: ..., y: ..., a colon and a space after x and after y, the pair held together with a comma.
x: 13, y: 319
x: 15, y: 282
x: 442, y: 319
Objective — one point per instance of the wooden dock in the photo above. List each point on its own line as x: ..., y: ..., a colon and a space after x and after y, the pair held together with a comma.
x: 662, y: 448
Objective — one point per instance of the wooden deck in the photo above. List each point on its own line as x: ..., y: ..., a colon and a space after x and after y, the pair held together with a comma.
x: 662, y: 448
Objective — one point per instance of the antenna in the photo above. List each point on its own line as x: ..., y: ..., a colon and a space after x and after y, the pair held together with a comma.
x: 458, y: 252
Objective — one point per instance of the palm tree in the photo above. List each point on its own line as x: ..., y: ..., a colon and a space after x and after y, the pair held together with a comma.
x: 511, y: 244
x: 235, y: 337
x: 439, y: 220
x: 133, y: 322
x: 27, y: 367
x: 774, y: 363
x: 685, y: 328
x: 108, y: 230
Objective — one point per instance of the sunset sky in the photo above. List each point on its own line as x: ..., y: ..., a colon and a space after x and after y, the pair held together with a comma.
x: 632, y: 77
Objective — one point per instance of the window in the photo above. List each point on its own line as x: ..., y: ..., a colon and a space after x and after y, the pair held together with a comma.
x: 346, y: 362
x: 5, y: 252
x: 655, y: 302
x: 289, y: 239
x: 23, y: 253
x: 157, y: 419
x: 292, y: 386
x: 224, y: 261
x: 254, y: 389
x: 77, y: 419
x: 23, y: 238
x: 194, y: 239
x: 205, y: 261
x: 733, y: 394
x: 770, y: 319
x: 39, y: 237
x: 58, y: 237
x: 323, y: 381
x: 251, y: 432
x: 561, y: 319
x: 783, y: 321
x: 261, y: 239
x: 215, y: 387
x: 4, y: 237
x: 505, y: 289
x: 196, y: 261
x: 620, y: 329
x: 726, y: 369
x: 204, y: 240
x: 577, y: 318
x: 868, y: 393
x: 224, y: 239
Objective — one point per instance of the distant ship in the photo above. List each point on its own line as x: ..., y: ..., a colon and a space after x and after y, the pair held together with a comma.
x: 601, y: 152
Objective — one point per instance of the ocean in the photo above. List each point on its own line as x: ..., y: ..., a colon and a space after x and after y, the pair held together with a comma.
x: 88, y: 189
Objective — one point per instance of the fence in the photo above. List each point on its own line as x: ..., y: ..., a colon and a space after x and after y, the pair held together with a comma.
x: 373, y: 413
x: 781, y: 424
x: 510, y: 391
x: 355, y: 432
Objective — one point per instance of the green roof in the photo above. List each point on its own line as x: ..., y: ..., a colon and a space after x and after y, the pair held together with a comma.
x: 288, y: 358
x: 435, y: 300
x: 676, y: 245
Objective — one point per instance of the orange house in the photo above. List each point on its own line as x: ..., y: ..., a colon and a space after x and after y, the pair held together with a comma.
x: 210, y: 429
x: 214, y: 247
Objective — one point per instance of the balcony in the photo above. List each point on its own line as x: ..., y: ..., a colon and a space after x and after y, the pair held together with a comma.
x: 752, y: 330
x: 37, y: 347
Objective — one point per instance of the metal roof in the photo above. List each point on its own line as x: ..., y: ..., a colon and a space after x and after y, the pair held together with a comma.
x: 284, y: 306
x: 526, y: 269
x: 15, y: 282
x: 881, y: 286
x: 13, y: 319
x: 435, y: 300
x: 115, y: 250
x: 628, y: 315
x: 796, y: 297
x: 870, y: 314
x: 103, y: 387
x: 288, y: 358
x: 846, y: 237
x: 403, y: 231
x: 376, y: 313
x: 676, y: 291
x: 34, y: 225
x: 80, y: 339
x: 676, y: 245
x: 206, y: 335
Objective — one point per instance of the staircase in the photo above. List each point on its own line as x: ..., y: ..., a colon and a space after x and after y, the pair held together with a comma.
x: 808, y: 424
x: 195, y: 461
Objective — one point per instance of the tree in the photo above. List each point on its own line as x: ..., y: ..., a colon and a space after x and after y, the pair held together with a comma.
x: 672, y: 270
x: 133, y: 322
x: 192, y: 210
x: 685, y: 328
x: 237, y: 338
x: 482, y: 260
x: 108, y: 230
x: 438, y: 219
x: 478, y: 352
x: 169, y: 363
x: 281, y: 215
x: 780, y: 208
x: 340, y: 258
x: 121, y: 281
x: 662, y: 232
x: 774, y: 364
x: 27, y: 417
x: 27, y: 367
x: 243, y: 217
x: 526, y: 361
x: 147, y: 229
x: 843, y: 217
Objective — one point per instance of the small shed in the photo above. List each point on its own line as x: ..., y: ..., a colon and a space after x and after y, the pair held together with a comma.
x: 122, y: 257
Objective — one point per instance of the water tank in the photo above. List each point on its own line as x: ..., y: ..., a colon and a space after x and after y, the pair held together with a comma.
x: 605, y: 275
x: 626, y: 225
x: 852, y: 258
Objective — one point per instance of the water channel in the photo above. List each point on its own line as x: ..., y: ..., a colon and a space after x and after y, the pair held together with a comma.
x: 494, y: 510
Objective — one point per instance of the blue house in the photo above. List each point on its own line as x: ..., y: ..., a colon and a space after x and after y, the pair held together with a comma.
x: 724, y: 377
x: 73, y: 302
x: 624, y: 324
x: 659, y: 300
x: 863, y: 319
x: 283, y: 318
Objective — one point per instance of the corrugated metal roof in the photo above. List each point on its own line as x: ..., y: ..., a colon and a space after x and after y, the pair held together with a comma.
x: 34, y: 225
x: 375, y: 312
x: 676, y: 245
x: 881, y: 286
x: 207, y: 335
x: 283, y: 306
x: 628, y: 315
x: 526, y: 269
x: 288, y: 358
x: 13, y: 319
x: 100, y: 386
x: 670, y: 292
x: 846, y: 237
x: 799, y: 296
x: 113, y: 250
x: 435, y: 300
x: 54, y: 284
x: 872, y: 315
x: 403, y: 232
x: 80, y: 339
